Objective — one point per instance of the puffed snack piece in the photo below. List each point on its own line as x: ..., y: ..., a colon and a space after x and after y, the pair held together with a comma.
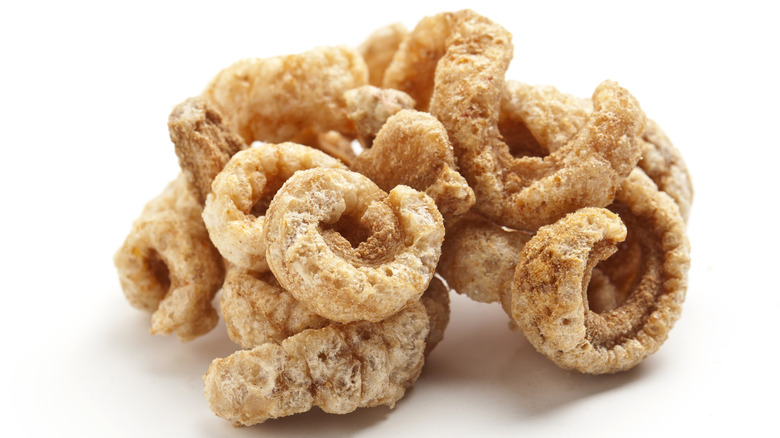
x: 338, y: 368
x: 412, y: 149
x: 527, y: 192
x: 168, y: 266
x: 276, y: 99
x: 202, y: 142
x: 379, y: 48
x: 348, y: 250
x: 235, y: 209
x: 552, y: 307
x: 369, y: 108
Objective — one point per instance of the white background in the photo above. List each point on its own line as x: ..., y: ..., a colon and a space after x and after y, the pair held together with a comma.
x: 85, y: 92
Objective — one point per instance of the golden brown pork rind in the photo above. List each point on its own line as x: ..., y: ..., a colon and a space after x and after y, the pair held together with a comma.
x: 378, y: 50
x: 202, y: 142
x: 235, y: 210
x: 412, y: 149
x: 168, y: 266
x: 369, y: 108
x: 478, y: 259
x: 275, y: 99
x: 348, y: 250
x: 550, y: 301
x: 257, y: 310
x: 338, y: 368
x: 664, y: 164
x: 414, y: 63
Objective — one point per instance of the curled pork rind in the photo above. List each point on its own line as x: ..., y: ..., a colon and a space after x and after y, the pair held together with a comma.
x: 550, y: 301
x: 241, y: 192
x: 338, y: 368
x: 168, y: 266
x: 478, y: 259
x: 257, y: 310
x: 276, y: 99
x: 348, y: 250
x: 527, y: 192
x: 379, y: 48
x: 412, y: 149
x: 369, y: 108
x: 203, y: 143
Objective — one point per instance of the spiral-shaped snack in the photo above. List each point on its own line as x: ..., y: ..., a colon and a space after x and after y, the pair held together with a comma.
x: 551, y: 302
x: 241, y: 192
x: 168, y: 266
x: 338, y: 368
x: 348, y: 250
x: 412, y: 149
x: 275, y: 99
x: 369, y: 108
x: 527, y: 192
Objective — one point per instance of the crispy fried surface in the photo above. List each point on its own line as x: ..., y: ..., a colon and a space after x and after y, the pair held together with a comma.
x: 550, y: 301
x: 369, y: 108
x: 379, y: 48
x: 275, y: 99
x: 338, y: 368
x: 348, y: 250
x: 412, y: 149
x: 235, y: 210
x: 168, y: 266
x: 202, y: 142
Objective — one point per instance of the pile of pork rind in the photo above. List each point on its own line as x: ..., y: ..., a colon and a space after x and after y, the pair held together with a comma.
x: 322, y: 192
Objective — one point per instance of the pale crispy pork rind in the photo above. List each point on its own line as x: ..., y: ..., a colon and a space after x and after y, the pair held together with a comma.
x: 478, y: 259
x: 379, y: 48
x: 203, y: 143
x: 369, y: 108
x: 412, y: 149
x: 257, y: 310
x: 413, y: 65
x: 527, y: 192
x: 276, y: 99
x: 338, y: 368
x: 168, y: 266
x: 242, y: 191
x: 664, y: 164
x: 348, y: 250
x: 551, y: 303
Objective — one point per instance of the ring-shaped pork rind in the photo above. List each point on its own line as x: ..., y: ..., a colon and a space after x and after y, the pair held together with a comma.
x: 412, y: 149
x: 378, y: 50
x: 478, y: 259
x: 550, y: 302
x: 527, y: 192
x: 168, y: 266
x: 257, y: 310
x: 202, y: 142
x: 241, y: 192
x: 348, y: 250
x: 338, y: 368
x: 275, y: 99
x: 369, y: 108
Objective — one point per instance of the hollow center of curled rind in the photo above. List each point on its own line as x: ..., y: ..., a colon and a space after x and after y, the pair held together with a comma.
x: 159, y: 270
x: 370, y: 237
x: 519, y: 140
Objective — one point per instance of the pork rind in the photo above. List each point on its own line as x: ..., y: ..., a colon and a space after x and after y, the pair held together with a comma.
x: 379, y: 48
x: 276, y: 99
x: 478, y: 259
x: 412, y: 149
x: 203, y: 143
x: 436, y: 300
x: 257, y: 310
x: 168, y: 266
x: 338, y: 368
x: 553, y: 308
x: 348, y: 250
x: 241, y: 192
x: 369, y: 108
